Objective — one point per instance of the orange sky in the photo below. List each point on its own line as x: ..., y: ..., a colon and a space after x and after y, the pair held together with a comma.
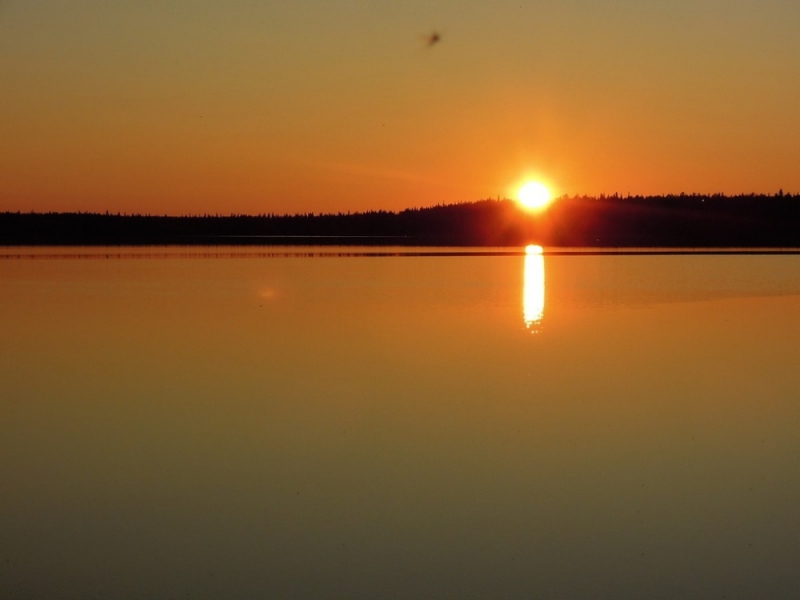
x: 247, y: 107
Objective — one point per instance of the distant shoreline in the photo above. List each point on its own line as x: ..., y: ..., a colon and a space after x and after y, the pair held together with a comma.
x: 26, y: 253
x: 658, y: 223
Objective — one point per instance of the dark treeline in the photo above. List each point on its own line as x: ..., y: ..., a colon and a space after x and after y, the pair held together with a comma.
x: 685, y: 220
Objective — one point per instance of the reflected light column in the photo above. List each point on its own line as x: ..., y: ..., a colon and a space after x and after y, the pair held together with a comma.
x: 533, y: 289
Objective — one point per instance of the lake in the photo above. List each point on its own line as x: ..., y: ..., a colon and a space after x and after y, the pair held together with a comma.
x: 398, y: 423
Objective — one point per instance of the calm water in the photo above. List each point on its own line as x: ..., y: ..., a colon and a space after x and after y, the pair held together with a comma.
x: 294, y: 424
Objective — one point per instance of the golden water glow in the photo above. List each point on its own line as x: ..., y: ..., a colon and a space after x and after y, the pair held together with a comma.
x: 534, y: 195
x: 533, y: 288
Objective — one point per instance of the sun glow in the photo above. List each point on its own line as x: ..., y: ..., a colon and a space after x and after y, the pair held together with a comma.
x: 534, y: 195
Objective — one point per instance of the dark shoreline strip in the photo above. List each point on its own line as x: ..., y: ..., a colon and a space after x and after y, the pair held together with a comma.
x: 390, y: 254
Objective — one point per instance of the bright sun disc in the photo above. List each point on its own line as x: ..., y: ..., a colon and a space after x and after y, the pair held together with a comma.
x: 534, y: 195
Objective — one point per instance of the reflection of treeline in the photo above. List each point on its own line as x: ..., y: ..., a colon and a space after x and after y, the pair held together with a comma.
x: 678, y: 221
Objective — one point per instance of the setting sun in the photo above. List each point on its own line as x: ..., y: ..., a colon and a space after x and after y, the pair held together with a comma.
x: 534, y: 195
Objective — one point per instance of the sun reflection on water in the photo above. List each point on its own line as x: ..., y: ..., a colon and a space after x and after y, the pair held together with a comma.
x: 533, y: 289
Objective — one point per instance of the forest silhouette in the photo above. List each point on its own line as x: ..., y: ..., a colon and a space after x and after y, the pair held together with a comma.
x: 675, y: 221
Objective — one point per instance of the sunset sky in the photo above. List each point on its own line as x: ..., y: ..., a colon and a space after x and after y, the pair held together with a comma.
x: 252, y: 106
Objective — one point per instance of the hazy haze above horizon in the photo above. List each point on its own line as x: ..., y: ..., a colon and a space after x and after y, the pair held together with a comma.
x: 249, y: 106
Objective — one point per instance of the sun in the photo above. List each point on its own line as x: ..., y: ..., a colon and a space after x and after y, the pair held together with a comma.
x: 534, y: 195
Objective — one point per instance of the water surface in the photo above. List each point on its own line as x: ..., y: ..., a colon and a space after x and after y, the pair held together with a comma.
x: 330, y: 423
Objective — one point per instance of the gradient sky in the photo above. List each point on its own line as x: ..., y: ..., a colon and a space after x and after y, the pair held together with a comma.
x: 251, y: 106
